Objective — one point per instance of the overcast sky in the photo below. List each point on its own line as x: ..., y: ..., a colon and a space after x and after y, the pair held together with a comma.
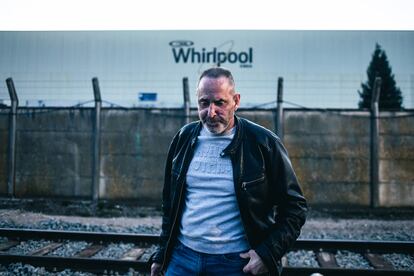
x: 209, y: 14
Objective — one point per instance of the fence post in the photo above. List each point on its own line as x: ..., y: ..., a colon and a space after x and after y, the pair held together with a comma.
x: 374, y: 147
x: 186, y: 95
x: 12, y: 138
x: 279, y: 119
x: 96, y: 139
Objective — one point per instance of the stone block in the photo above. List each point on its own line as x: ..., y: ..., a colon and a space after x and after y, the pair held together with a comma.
x: 146, y: 121
x: 315, y: 122
x: 396, y: 170
x: 264, y: 118
x: 4, y: 119
x: 51, y: 143
x: 125, y: 187
x: 4, y: 144
x: 327, y: 170
x: 397, y: 126
x: 135, y: 166
x: 3, y: 184
x: 54, y: 165
x: 134, y: 143
x: 3, y: 164
x: 46, y: 186
x: 326, y: 146
x: 397, y: 147
x: 55, y: 119
x: 337, y: 193
x: 396, y: 194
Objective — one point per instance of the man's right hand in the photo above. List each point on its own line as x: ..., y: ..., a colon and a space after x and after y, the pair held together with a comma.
x: 156, y: 269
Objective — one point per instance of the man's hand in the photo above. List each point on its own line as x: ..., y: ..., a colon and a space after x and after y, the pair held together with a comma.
x: 156, y: 269
x: 255, y: 265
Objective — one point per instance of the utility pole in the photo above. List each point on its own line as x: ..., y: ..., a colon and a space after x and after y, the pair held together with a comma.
x: 12, y: 138
x: 374, y: 148
x: 96, y: 139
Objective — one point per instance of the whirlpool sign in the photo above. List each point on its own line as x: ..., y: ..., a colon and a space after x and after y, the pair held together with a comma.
x: 184, y: 52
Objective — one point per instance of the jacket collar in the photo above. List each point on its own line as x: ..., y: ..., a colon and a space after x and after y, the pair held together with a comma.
x: 232, y: 147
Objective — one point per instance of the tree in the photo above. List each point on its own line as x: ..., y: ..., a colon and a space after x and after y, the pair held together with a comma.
x: 390, y: 95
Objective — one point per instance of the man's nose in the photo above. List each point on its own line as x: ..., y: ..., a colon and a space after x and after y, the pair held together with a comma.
x: 211, y: 110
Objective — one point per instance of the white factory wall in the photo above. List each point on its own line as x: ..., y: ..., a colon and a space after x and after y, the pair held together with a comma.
x: 320, y: 68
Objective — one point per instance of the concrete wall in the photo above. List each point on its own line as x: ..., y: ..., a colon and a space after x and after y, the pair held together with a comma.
x: 53, y: 153
x: 133, y: 152
x: 3, y: 149
x: 397, y: 161
x: 329, y: 150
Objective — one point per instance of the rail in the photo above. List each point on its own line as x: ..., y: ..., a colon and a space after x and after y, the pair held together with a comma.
x: 138, y: 257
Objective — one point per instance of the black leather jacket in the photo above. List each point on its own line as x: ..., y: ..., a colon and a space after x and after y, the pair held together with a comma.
x: 271, y: 203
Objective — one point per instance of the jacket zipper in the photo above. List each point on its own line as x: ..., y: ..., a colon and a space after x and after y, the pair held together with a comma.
x: 248, y: 183
x: 237, y: 194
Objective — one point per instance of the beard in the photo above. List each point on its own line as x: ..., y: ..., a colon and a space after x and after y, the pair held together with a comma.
x: 217, y: 125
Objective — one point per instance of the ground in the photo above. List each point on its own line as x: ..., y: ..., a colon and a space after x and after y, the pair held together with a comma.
x: 323, y: 222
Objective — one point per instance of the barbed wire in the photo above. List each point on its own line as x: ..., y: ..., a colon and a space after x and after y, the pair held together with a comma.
x: 311, y: 88
x: 45, y: 110
x: 339, y: 113
x: 115, y: 104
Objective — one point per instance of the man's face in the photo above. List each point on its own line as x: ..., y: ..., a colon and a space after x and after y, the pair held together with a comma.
x: 217, y: 103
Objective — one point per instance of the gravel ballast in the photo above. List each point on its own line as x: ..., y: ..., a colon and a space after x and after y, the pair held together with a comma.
x: 316, y: 227
x: 70, y: 248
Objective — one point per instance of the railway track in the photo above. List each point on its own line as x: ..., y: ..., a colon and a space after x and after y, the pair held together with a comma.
x: 137, y: 256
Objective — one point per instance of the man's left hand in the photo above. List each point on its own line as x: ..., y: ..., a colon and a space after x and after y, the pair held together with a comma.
x: 255, y: 265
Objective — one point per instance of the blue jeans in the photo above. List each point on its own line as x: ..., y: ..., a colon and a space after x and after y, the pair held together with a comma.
x: 185, y: 261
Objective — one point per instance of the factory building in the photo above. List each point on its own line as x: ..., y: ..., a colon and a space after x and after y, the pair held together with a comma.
x: 321, y: 69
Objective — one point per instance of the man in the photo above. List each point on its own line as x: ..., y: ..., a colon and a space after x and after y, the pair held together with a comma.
x: 231, y: 202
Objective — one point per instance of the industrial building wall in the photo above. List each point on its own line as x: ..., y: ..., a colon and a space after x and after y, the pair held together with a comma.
x: 320, y: 68
x: 329, y: 151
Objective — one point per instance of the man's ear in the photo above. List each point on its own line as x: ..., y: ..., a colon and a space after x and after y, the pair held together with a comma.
x: 237, y: 100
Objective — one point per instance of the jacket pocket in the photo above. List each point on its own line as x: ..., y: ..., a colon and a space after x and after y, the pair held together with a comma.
x: 248, y: 184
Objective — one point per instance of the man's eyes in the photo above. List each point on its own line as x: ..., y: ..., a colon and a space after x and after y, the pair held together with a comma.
x: 207, y: 103
x: 203, y: 103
